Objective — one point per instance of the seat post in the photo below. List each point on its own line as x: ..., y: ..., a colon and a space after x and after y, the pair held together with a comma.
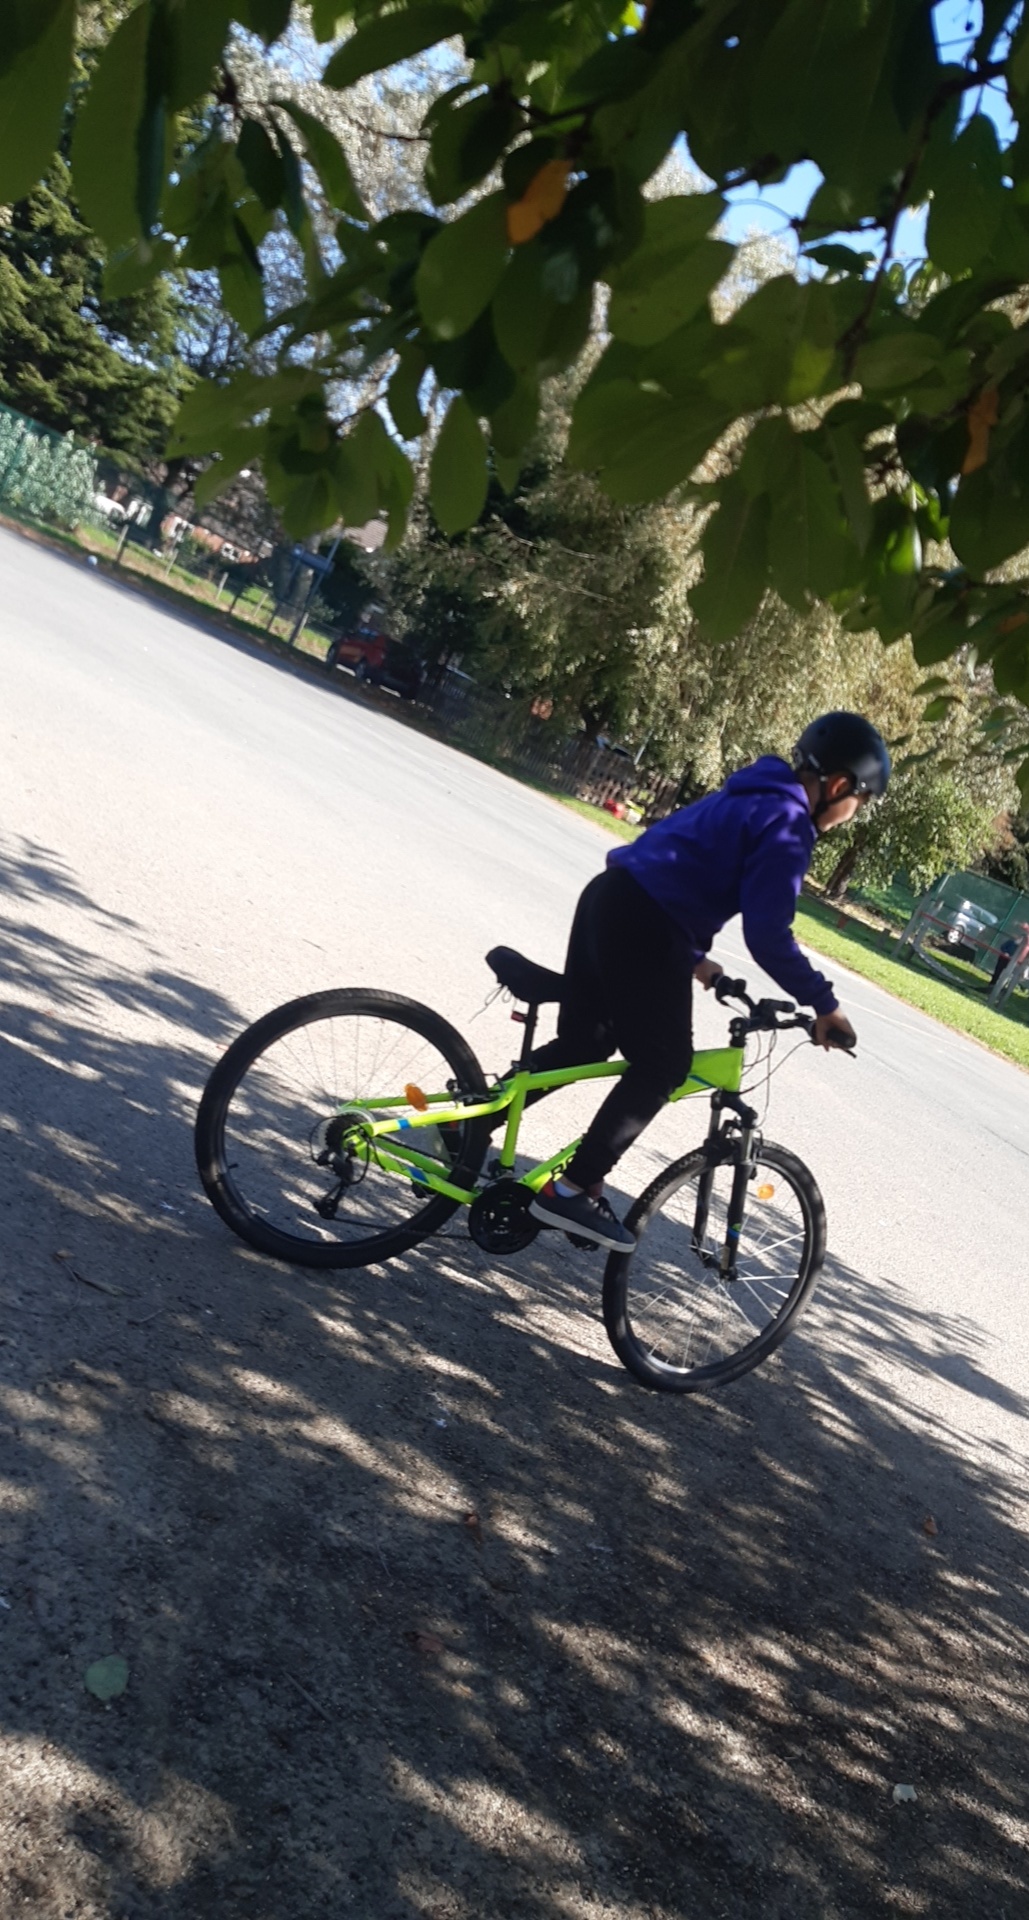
x: 528, y: 1021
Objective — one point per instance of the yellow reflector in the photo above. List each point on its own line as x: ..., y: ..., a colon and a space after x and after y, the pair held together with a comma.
x: 765, y: 1192
x: 416, y: 1098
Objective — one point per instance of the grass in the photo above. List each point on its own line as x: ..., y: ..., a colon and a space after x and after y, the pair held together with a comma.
x: 959, y: 1003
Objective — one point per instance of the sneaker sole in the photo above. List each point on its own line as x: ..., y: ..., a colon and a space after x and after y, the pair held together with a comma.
x: 596, y: 1236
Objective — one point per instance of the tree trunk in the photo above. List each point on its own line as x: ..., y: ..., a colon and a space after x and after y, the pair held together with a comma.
x: 843, y: 872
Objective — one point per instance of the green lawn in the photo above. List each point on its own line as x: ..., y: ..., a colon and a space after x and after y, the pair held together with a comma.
x: 959, y: 1003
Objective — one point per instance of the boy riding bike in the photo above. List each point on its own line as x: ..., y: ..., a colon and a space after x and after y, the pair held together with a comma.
x: 643, y: 927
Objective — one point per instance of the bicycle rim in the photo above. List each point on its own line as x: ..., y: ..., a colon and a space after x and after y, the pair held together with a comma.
x: 674, y: 1319
x: 271, y: 1117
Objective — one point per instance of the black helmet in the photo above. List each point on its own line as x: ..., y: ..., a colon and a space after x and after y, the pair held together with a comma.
x: 844, y: 743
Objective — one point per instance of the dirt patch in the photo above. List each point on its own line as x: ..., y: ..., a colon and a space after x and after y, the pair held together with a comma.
x: 430, y: 1613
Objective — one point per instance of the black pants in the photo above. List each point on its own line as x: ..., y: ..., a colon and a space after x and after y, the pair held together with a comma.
x: 628, y: 988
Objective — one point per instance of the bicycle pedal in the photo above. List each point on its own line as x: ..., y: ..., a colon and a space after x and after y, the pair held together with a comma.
x: 583, y: 1245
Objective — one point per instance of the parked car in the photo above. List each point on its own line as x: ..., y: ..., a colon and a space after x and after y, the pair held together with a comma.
x: 969, y: 934
x: 377, y: 659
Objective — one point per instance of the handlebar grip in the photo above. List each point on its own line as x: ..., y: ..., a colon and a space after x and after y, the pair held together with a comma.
x: 846, y: 1041
x: 726, y: 989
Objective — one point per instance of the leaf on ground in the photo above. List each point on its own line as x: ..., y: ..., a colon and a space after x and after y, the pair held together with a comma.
x: 474, y: 1526
x: 108, y: 1678
x: 902, y: 1793
x: 429, y: 1643
x: 929, y: 1525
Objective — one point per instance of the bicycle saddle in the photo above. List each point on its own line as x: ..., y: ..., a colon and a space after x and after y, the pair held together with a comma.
x: 523, y: 977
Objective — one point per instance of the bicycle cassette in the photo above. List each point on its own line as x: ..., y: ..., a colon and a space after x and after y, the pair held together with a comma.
x: 499, y: 1220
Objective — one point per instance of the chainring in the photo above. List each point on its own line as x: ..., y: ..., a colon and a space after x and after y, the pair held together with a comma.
x: 499, y: 1220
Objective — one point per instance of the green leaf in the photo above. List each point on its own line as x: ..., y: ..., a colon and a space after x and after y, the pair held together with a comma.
x: 209, y: 409
x: 402, y: 393
x: 137, y: 267
x: 940, y: 633
x: 198, y: 31
x: 735, y: 562
x: 671, y: 272
x: 239, y: 449
x: 107, y: 1679
x: 393, y: 37
x: 261, y: 162
x: 646, y: 315
x: 808, y: 549
x: 467, y: 142
x: 325, y: 16
x: 840, y: 259
x: 897, y: 360
x: 461, y: 268
x: 1010, y: 667
x: 781, y: 346
x: 939, y: 708
x: 513, y: 423
x: 848, y: 461
x: 104, y: 155
x: 537, y: 332
x: 269, y: 18
x: 968, y: 198
x: 458, y: 478
x: 242, y: 288
x: 328, y: 160
x: 308, y: 504
x: 641, y: 443
x: 25, y: 22
x: 989, y: 520
x: 395, y: 477
x: 508, y: 471
x: 33, y: 91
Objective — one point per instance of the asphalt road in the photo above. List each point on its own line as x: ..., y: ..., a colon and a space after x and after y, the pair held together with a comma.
x: 191, y: 833
x: 237, y: 827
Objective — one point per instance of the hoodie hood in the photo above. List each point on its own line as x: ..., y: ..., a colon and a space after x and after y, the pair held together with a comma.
x: 767, y: 775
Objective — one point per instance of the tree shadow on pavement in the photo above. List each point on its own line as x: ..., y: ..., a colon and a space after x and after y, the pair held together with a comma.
x: 430, y: 1612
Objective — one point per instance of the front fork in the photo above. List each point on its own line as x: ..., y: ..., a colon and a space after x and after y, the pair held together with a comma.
x: 743, y: 1149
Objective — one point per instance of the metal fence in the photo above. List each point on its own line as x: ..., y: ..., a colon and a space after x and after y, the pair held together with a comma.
x: 976, y: 919
x: 510, y: 734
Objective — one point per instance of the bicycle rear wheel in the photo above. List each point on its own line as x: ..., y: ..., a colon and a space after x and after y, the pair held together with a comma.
x: 278, y: 1099
x: 672, y: 1317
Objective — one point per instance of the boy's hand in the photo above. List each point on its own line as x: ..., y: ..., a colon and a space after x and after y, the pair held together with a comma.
x: 827, y: 1023
x: 707, y: 972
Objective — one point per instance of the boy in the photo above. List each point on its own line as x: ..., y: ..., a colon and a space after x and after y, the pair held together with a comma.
x: 643, y: 927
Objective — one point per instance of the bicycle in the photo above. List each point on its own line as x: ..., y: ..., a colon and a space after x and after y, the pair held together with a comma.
x: 307, y: 1145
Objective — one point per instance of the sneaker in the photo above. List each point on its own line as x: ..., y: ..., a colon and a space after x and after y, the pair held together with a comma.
x: 583, y: 1214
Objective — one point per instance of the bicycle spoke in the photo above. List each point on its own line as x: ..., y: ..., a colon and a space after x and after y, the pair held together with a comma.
x: 675, y: 1316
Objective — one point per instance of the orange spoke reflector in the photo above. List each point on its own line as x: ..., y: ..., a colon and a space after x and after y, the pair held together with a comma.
x: 765, y: 1192
x: 416, y: 1098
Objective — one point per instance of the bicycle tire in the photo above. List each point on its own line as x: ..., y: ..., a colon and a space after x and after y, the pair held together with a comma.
x: 657, y: 1297
x: 285, y: 1223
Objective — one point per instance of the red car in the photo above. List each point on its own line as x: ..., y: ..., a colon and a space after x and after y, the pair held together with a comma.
x: 378, y: 659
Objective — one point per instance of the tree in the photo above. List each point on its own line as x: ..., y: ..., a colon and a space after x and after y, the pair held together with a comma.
x: 106, y: 369
x: 865, y: 413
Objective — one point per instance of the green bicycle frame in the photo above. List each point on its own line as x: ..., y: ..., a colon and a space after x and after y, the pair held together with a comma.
x: 713, y: 1069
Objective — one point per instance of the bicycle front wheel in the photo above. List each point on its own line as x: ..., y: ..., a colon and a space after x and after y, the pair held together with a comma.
x: 267, y: 1126
x: 674, y: 1319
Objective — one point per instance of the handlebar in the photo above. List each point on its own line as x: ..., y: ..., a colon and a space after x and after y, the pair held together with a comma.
x: 771, y: 1016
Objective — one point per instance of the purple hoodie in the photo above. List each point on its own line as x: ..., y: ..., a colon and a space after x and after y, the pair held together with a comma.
x: 744, y: 850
